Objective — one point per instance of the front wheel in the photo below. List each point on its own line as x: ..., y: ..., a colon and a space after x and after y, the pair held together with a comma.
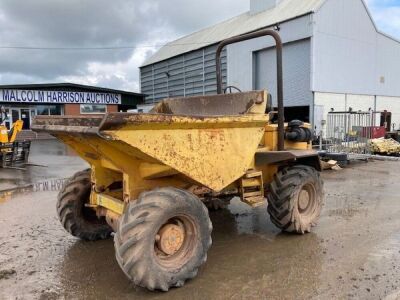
x: 163, y: 238
x: 295, y: 199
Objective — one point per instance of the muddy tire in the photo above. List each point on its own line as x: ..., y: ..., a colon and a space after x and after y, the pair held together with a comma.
x: 295, y: 199
x: 77, y: 219
x: 163, y: 238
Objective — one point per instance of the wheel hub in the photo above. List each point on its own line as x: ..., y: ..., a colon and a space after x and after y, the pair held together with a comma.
x: 170, y: 238
x: 304, y: 200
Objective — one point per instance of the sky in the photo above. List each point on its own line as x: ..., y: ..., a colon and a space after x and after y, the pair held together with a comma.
x: 136, y: 28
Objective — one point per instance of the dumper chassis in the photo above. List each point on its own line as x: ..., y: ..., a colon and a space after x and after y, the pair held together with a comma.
x: 152, y: 173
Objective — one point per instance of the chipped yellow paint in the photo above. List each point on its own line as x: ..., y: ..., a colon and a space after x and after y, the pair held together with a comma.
x: 151, y: 171
x: 133, y: 153
x: 271, y: 139
x: 114, y: 161
x: 111, y: 203
x: 212, y: 151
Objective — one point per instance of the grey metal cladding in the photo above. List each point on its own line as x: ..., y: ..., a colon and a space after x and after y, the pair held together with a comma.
x: 296, y: 72
x: 185, y: 75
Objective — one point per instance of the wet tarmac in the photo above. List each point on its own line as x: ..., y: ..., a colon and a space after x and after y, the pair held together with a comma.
x: 354, y: 252
x: 51, y: 160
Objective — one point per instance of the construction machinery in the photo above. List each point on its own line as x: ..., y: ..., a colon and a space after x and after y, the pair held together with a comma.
x: 150, y: 174
x: 12, y: 152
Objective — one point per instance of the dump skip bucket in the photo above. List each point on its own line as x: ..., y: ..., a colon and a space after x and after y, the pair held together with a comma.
x: 213, y: 150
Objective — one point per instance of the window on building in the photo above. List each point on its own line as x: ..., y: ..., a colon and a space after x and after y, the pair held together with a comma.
x: 46, y: 110
x: 55, y: 110
x: 93, y: 109
x: 42, y: 110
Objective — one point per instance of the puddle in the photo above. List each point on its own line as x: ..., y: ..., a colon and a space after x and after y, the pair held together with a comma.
x: 52, y: 185
x: 249, y: 259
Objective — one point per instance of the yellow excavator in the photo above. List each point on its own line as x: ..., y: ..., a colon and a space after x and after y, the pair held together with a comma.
x: 12, y: 152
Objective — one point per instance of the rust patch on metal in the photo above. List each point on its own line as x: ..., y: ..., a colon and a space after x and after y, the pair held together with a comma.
x: 170, y: 238
x: 87, y: 121
x: 213, y: 105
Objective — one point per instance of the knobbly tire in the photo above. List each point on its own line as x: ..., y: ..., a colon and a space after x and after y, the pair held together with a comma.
x: 77, y: 219
x: 295, y: 199
x: 163, y: 238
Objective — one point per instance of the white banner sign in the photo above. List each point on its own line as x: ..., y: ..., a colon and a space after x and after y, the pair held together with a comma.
x: 58, y: 97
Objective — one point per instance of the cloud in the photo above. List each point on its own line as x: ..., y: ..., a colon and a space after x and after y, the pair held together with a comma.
x: 117, y: 23
x: 386, y: 14
x: 96, y: 23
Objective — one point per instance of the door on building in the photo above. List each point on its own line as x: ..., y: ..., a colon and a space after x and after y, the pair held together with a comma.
x: 15, y: 115
x: 296, y: 77
x: 23, y: 114
x: 26, y: 117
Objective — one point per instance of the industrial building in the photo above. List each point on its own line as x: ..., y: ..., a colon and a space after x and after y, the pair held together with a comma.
x: 23, y: 102
x: 334, y: 58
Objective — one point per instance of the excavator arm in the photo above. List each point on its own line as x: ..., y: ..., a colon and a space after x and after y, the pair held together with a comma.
x: 12, y: 135
x: 3, y: 134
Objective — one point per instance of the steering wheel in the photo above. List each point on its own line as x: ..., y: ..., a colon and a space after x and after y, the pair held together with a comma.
x: 230, y: 89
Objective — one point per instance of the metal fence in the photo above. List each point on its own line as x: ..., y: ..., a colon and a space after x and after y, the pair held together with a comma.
x: 349, y: 132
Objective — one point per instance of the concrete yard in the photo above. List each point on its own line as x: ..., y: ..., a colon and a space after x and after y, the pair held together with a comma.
x: 354, y: 252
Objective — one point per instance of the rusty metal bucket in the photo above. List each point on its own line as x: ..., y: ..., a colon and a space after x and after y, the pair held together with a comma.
x: 209, y: 139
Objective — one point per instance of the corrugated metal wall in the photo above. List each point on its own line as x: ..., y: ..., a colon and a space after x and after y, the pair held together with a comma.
x: 296, y: 73
x: 190, y: 74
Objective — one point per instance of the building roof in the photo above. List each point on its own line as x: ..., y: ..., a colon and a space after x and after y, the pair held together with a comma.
x: 244, y: 23
x: 69, y: 86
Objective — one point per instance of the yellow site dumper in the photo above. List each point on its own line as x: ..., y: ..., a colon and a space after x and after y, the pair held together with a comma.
x: 151, y: 174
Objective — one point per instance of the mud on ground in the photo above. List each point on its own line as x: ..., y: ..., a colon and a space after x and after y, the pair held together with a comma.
x: 354, y: 252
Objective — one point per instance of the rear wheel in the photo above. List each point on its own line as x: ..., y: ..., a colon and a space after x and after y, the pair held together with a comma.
x: 80, y: 221
x: 163, y: 238
x: 295, y: 199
